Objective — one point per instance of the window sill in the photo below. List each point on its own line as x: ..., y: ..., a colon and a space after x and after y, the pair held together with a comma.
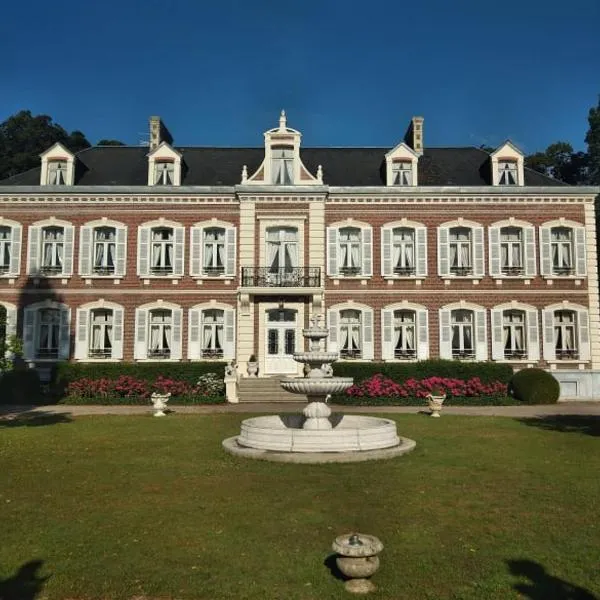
x: 98, y: 360
x: 559, y: 277
x: 212, y: 277
x: 350, y: 277
x: 157, y: 360
x: 40, y: 276
x: 461, y: 277
x: 159, y: 277
x: 94, y: 276
x: 413, y: 277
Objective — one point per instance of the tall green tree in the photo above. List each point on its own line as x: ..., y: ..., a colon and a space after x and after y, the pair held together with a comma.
x: 23, y: 137
x: 592, y: 139
x: 110, y: 143
x: 560, y: 162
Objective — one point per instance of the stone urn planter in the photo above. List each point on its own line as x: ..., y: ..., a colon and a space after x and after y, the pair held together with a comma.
x: 435, y: 402
x: 159, y: 403
x: 252, y: 367
x: 357, y: 559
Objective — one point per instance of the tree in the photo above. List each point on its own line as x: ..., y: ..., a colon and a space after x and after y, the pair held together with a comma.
x: 560, y: 162
x: 23, y: 137
x: 592, y: 139
x: 110, y: 143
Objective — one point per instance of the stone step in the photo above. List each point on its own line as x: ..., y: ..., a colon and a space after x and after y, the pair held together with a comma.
x: 265, y: 389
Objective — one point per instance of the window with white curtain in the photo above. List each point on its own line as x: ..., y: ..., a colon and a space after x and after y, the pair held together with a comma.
x: 350, y: 334
x: 507, y: 172
x: 164, y: 173
x: 212, y: 326
x: 282, y: 251
x: 161, y: 257
x: 48, y: 335
x: 461, y: 323
x: 460, y: 244
x: 105, y: 240
x: 349, y: 251
x: 561, y: 240
x: 52, y: 249
x: 5, y: 248
x: 405, y: 334
x: 403, y: 251
x: 101, y: 333
x: 57, y: 172
x: 511, y: 250
x: 214, y: 251
x: 282, y: 165
x: 514, y: 334
x: 160, y: 331
x: 402, y: 172
x: 565, y: 334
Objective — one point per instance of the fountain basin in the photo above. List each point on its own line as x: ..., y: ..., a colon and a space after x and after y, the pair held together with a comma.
x: 316, y: 387
x: 315, y: 357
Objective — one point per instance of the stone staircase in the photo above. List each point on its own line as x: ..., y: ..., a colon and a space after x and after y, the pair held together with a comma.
x: 265, y: 389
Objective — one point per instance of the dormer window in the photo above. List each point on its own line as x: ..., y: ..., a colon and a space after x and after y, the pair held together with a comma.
x: 507, y: 172
x: 57, y: 172
x: 164, y: 172
x: 402, y: 172
x: 282, y: 165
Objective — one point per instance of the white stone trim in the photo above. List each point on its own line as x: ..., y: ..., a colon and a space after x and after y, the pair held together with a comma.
x: 55, y: 153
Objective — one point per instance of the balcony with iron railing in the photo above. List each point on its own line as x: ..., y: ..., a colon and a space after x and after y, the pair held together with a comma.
x: 284, y: 277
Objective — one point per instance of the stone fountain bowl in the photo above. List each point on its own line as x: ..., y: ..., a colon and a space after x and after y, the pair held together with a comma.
x: 316, y: 357
x: 315, y: 333
x: 316, y: 387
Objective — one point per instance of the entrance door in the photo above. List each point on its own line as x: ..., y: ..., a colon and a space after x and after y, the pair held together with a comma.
x: 280, y: 341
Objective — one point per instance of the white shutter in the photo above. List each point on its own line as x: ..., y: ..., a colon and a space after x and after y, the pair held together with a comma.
x: 176, y: 350
x: 529, y: 251
x: 545, y: 253
x: 85, y: 253
x: 423, y: 335
x: 497, y: 334
x: 332, y: 250
x: 367, y: 251
x: 549, y: 343
x: 580, y: 257
x: 69, y: 233
x: 194, y: 347
x: 196, y: 251
x: 15, y: 249
x: 229, y: 335
x: 29, y: 327
x: 481, y: 348
x: 140, y: 348
x: 33, y: 250
x: 386, y: 252
x: 230, y: 243
x: 445, y: 334
x: 421, y: 251
x: 11, y: 322
x: 533, y: 336
x: 143, y: 254
x: 478, y: 252
x: 121, y: 251
x: 64, y: 344
x: 495, y: 267
x: 368, y: 351
x: 117, y: 342
x: 332, y: 324
x: 82, y: 329
x: 443, y: 250
x: 178, y: 249
x: 387, y: 334
x: 584, y: 334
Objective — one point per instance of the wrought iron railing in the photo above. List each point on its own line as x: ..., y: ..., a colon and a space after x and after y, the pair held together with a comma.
x: 512, y: 270
x: 463, y: 354
x: 159, y: 353
x: 107, y: 270
x: 47, y: 353
x: 563, y: 270
x: 404, y: 271
x: 568, y: 354
x: 349, y: 354
x: 461, y: 271
x: 283, y: 277
x: 212, y: 353
x: 51, y: 269
x: 100, y: 353
x: 161, y: 270
x: 405, y: 354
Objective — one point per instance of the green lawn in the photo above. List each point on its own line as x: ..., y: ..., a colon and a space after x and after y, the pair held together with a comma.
x: 119, y: 507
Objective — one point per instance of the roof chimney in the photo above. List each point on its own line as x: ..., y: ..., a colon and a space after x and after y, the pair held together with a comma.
x: 158, y: 133
x: 414, y: 135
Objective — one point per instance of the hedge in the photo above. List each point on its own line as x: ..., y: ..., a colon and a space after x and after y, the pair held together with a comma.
x: 411, y: 401
x: 535, y: 386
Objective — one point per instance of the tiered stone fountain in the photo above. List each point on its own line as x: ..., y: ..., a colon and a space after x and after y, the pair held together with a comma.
x: 317, y: 435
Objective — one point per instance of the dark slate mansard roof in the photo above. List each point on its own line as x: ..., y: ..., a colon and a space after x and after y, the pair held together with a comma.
x: 344, y: 167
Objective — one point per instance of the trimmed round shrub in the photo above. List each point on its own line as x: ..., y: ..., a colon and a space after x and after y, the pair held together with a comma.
x: 534, y: 386
x: 20, y: 387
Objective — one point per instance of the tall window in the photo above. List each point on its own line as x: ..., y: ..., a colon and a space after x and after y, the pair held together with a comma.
x: 162, y: 251
x: 160, y: 334
x: 514, y: 334
x: 105, y: 239
x: 282, y: 252
x: 461, y: 323
x: 5, y: 244
x: 404, y: 251
x: 52, y: 249
x: 282, y: 166
x: 48, y: 334
x: 565, y: 334
x: 214, y: 251
x: 349, y: 251
x: 101, y: 333
x: 402, y: 172
x: 562, y: 250
x: 350, y: 334
x: 511, y: 250
x: 164, y: 173
x: 460, y: 251
x: 57, y: 172
x: 507, y: 172
x: 212, y: 333
x: 404, y: 334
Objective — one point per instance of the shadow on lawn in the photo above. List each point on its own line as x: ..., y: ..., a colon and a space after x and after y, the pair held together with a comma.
x: 586, y: 424
x: 33, y: 419
x: 542, y: 585
x: 330, y: 563
x: 25, y: 584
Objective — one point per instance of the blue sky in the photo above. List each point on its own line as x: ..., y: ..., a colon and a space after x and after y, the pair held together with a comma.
x: 347, y: 73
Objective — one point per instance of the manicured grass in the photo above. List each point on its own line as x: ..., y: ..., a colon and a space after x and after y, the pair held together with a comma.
x: 118, y: 507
